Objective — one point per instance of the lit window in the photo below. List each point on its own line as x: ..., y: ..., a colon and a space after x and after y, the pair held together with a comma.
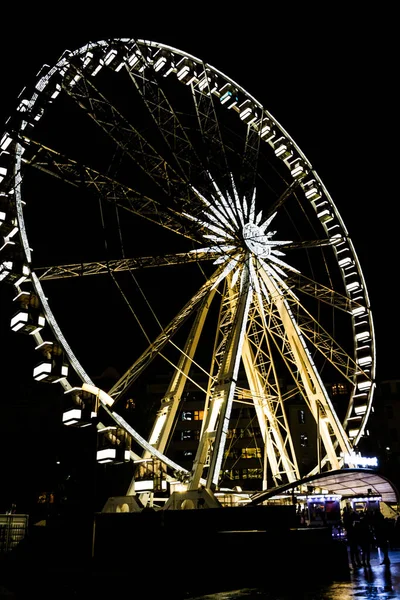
x: 254, y: 473
x: 130, y: 404
x: 251, y: 452
x: 198, y: 415
x: 339, y: 388
x: 301, y: 415
x: 303, y: 440
x: 186, y: 434
x: 187, y: 415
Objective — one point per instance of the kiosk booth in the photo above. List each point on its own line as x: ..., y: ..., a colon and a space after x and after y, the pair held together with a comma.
x: 321, y: 498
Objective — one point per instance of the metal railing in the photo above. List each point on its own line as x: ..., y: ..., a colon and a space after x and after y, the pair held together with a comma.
x: 13, y: 529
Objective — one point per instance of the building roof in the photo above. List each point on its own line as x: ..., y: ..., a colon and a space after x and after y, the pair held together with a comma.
x: 346, y: 482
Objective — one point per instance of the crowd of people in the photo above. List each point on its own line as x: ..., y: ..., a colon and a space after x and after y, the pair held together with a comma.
x: 368, y: 530
x: 364, y: 531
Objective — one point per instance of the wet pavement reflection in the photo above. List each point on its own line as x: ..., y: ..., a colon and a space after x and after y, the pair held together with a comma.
x: 377, y: 581
x: 380, y: 582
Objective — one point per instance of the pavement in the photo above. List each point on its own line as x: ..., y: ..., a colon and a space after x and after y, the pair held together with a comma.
x: 377, y: 581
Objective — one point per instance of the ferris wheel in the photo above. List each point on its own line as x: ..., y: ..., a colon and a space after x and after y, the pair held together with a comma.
x: 153, y: 210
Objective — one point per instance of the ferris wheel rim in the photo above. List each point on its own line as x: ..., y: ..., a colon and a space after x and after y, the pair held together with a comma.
x: 336, y: 217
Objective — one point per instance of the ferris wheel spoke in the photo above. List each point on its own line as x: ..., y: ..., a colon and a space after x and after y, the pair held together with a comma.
x: 164, y: 422
x: 319, y: 338
x: 279, y: 202
x: 121, y: 265
x: 304, y: 244
x: 72, y: 172
x: 210, y: 129
x: 145, y: 359
x: 250, y: 161
x: 170, y: 127
x: 132, y: 143
x: 303, y: 284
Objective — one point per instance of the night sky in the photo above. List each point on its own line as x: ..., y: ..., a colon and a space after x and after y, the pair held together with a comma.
x: 330, y: 81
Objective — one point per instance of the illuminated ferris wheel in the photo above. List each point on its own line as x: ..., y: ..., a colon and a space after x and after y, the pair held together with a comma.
x: 135, y: 177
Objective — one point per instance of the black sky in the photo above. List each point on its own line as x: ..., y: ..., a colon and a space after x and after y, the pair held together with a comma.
x: 329, y: 79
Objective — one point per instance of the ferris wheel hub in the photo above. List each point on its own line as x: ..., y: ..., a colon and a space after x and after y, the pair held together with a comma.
x: 256, y: 240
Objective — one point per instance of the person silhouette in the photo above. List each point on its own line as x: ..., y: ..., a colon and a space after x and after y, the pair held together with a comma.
x: 381, y: 535
x: 351, y: 521
x: 365, y: 536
